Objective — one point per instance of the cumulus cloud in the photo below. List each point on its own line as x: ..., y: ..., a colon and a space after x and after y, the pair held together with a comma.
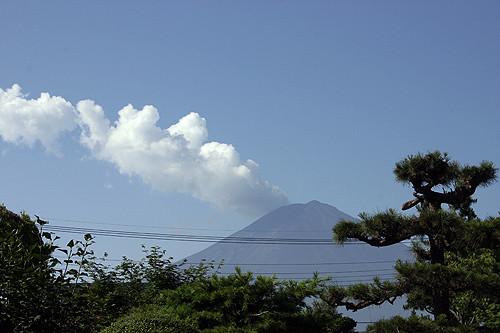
x: 26, y: 121
x: 178, y: 158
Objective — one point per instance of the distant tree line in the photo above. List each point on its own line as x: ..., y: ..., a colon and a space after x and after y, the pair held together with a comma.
x: 455, y: 277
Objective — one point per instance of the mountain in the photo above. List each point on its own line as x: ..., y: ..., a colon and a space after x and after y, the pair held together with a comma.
x: 294, y: 241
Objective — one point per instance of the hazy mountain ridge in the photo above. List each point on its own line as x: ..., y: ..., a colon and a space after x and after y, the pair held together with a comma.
x: 314, y: 221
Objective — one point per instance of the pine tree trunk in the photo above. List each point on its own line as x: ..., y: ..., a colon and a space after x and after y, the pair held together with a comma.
x: 440, y: 293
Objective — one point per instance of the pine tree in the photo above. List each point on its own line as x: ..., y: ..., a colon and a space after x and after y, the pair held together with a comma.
x: 439, y: 234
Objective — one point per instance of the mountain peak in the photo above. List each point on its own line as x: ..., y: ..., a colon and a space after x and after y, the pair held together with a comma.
x: 314, y: 202
x: 313, y: 216
x: 296, y: 223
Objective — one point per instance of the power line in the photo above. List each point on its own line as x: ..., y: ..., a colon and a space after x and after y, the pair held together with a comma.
x: 270, y: 264
x: 134, y: 225
x: 244, y: 240
x: 382, y: 271
x: 176, y: 228
x: 346, y: 280
x: 336, y: 277
x: 343, y: 272
x: 193, y: 238
x: 314, y: 264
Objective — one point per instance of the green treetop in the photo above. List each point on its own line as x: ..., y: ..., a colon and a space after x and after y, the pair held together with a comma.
x: 431, y: 280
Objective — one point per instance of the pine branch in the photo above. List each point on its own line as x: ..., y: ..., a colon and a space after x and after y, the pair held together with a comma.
x: 360, y: 296
x: 382, y: 229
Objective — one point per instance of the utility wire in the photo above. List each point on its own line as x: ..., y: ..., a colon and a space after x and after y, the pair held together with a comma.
x: 321, y: 273
x: 238, y: 240
x: 193, y: 238
x: 189, y: 238
x: 175, y: 228
x: 314, y: 264
x: 339, y: 272
x: 271, y: 264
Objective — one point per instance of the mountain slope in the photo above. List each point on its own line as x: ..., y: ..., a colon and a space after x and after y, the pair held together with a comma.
x: 251, y: 249
x: 283, y: 255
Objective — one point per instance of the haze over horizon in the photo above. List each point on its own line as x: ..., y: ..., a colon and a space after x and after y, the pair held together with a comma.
x: 202, y: 117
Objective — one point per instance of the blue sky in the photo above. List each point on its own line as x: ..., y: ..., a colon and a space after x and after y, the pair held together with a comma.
x: 203, y: 116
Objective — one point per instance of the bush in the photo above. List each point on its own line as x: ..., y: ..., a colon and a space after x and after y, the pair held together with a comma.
x: 149, y: 319
x: 29, y: 294
x: 418, y: 324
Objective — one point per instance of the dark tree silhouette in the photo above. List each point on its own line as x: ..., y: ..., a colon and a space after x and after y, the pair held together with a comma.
x: 436, y: 180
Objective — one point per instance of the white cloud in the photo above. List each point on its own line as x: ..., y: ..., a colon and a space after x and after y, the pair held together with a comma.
x: 177, y: 159
x: 25, y: 121
x: 174, y: 159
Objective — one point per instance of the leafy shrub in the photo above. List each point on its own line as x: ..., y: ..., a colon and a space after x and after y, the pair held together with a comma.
x: 418, y: 324
x: 149, y: 319
x: 241, y: 303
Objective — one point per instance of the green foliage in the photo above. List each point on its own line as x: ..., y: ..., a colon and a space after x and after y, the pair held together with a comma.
x: 416, y: 324
x: 437, y: 169
x: 151, y: 318
x: 235, y: 300
x: 34, y: 295
x: 482, y: 304
x: 241, y: 303
x: 113, y: 292
x: 479, y: 234
x: 455, y: 275
x: 328, y: 316
x: 380, y: 229
x: 361, y: 295
x: 434, y: 168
